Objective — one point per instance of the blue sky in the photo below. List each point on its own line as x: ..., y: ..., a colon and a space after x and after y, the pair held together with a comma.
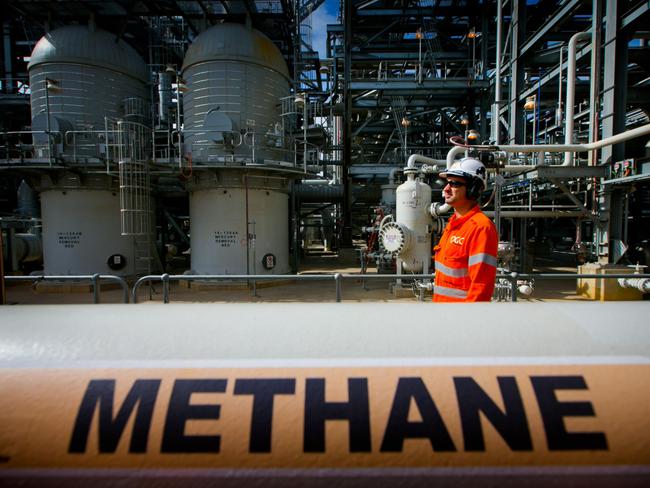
x: 325, y: 14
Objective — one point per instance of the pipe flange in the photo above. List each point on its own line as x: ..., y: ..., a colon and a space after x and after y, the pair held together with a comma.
x: 395, y: 237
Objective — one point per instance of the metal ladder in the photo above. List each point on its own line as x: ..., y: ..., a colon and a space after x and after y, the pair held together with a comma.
x: 136, y: 209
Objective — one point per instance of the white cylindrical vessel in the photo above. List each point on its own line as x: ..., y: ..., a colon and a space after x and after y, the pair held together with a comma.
x: 413, y: 198
x: 221, y: 205
x: 79, y: 76
x: 235, y: 78
x: 81, y: 230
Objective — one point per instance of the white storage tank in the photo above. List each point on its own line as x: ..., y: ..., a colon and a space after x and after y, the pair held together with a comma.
x: 409, y: 237
x: 235, y: 77
x: 80, y: 75
x: 221, y: 205
x: 81, y: 228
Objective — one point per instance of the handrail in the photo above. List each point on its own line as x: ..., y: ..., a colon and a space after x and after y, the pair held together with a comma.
x: 95, y: 279
x: 338, y: 278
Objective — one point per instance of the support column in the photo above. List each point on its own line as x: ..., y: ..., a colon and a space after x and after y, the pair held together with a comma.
x: 594, y: 95
x: 614, y: 83
x: 609, y: 229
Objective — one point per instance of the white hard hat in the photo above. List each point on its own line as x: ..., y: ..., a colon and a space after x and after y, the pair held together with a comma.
x: 471, y: 169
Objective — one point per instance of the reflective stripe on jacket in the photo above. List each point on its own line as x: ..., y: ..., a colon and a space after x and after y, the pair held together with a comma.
x: 466, y: 259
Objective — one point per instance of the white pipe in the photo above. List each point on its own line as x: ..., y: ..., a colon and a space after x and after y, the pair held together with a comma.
x: 571, y: 91
x: 453, y: 152
x: 413, y: 158
x: 558, y: 114
x: 391, y: 175
x: 497, y: 76
x: 609, y: 141
x: 641, y: 284
x: 438, y: 209
x: 568, y: 148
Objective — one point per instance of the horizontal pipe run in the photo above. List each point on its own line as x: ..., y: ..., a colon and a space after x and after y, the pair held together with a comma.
x: 566, y: 148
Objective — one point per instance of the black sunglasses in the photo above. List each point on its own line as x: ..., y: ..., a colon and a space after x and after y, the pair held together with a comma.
x: 454, y: 183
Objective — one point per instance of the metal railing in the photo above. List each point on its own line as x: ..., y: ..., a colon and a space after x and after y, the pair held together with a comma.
x: 94, y: 279
x: 338, y: 278
x: 20, y: 145
x: 166, y: 278
x: 513, y: 277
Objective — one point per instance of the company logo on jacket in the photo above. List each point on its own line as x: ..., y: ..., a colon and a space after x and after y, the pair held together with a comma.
x: 457, y: 240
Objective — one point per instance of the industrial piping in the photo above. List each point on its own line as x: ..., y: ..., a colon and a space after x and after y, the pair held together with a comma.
x: 571, y: 91
x: 567, y: 148
x: 242, y: 395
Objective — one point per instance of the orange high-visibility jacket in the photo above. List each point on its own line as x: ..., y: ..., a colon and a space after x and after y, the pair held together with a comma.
x: 466, y: 259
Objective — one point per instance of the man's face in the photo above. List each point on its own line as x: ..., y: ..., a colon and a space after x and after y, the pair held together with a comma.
x: 455, y: 191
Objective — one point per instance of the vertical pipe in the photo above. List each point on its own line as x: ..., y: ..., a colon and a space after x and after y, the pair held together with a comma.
x: 571, y: 91
x: 47, y: 122
x: 558, y: 113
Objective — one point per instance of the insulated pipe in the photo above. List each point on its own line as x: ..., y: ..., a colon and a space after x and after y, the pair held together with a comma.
x: 497, y: 76
x: 641, y: 284
x: 609, y: 141
x: 571, y: 91
x: 317, y: 182
x: 413, y: 158
x: 391, y: 175
x: 105, y: 394
x: 453, y: 152
x: 531, y: 148
x: 558, y: 114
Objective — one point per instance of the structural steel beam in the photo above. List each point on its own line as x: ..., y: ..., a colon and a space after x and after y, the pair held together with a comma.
x: 550, y: 25
x: 435, y: 84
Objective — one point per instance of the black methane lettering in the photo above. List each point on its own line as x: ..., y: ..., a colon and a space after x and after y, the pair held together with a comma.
x: 180, y: 411
x: 356, y: 411
x: 101, y: 393
x: 399, y: 428
x: 553, y: 412
x: 132, y: 416
x: 511, y: 424
x: 263, y: 391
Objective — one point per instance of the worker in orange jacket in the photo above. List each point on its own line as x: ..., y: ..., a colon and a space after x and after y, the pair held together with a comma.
x: 466, y: 255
